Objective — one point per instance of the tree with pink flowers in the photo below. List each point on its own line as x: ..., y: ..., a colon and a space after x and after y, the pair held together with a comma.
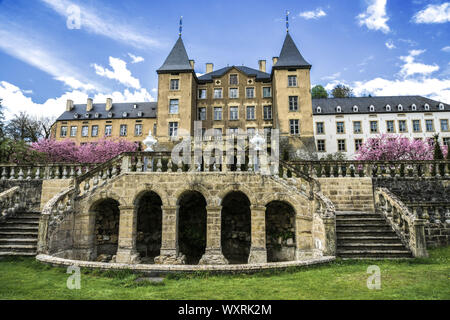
x: 96, y: 152
x: 390, y: 148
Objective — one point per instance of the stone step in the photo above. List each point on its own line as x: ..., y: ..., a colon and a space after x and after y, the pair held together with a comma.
x: 14, y: 253
x: 21, y: 221
x: 374, y: 254
x: 365, y: 233
x: 343, y: 239
x: 358, y: 227
x: 371, y: 246
x: 27, y: 215
x: 18, y: 234
x: 344, y: 215
x: 18, y: 227
x: 19, y: 248
x: 7, y: 241
x: 366, y: 221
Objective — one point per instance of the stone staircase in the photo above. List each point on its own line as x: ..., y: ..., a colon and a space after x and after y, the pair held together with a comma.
x: 19, y: 234
x: 364, y: 235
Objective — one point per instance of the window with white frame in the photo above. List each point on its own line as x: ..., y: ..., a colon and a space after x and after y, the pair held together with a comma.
x: 321, y: 146
x: 173, y: 106
x: 217, y: 113
x: 267, y: 110
x: 73, y: 131
x: 294, y: 126
x: 173, y: 129
x: 174, y: 84
x: 358, y: 144
x: 341, y: 145
x: 63, y: 132
x: 234, y: 113
x: 293, y: 103
x: 202, y: 93
x: 416, y: 126
x: 402, y: 126
x: 250, y: 92
x: 390, y: 126
x: 233, y: 93
x: 267, y: 92
x: 123, y: 130
x: 429, y: 126
x: 340, y: 127
x: 85, y: 131
x: 201, y: 114
x: 250, y: 113
x: 108, y: 130
x: 320, y: 128
x: 138, y: 129
x: 218, y: 93
x: 357, y: 127
x: 94, y: 131
x: 444, y: 125
x: 292, y: 81
x: 233, y: 79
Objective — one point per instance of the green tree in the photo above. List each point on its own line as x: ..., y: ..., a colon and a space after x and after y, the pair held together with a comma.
x: 437, y: 153
x: 319, y: 92
x: 342, y: 91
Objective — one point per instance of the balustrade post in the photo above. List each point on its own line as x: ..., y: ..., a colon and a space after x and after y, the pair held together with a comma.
x: 258, y: 251
x: 169, y: 253
x: 213, y: 252
x: 126, y: 251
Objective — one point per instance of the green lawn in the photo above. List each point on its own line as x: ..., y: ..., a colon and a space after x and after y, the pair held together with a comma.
x: 24, y: 278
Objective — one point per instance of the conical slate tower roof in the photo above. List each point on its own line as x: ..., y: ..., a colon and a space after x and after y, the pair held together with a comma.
x: 290, y: 56
x: 177, y: 60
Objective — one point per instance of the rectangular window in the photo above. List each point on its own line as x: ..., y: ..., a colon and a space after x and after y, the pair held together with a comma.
x: 402, y: 126
x: 373, y: 126
x: 108, y: 130
x: 429, y: 125
x: 94, y: 131
x: 390, y: 126
x: 233, y: 79
x: 85, y: 131
x: 73, y: 131
x: 234, y: 113
x: 123, y: 130
x: 138, y: 129
x: 267, y: 113
x: 357, y: 127
x: 320, y: 128
x: 294, y: 126
x: 173, y: 129
x: 233, y: 132
x: 173, y: 107
x: 174, y: 84
x: 63, y: 131
x: 292, y: 81
x: 340, y: 128
x: 321, y: 145
x: 233, y: 93
x: 251, y: 132
x: 250, y: 113
x: 446, y: 142
x: 416, y: 126
x: 202, y: 93
x: 267, y: 92
x: 218, y: 93
x: 250, y: 93
x: 217, y: 113
x: 444, y: 125
x: 293, y: 103
x: 358, y: 144
x: 201, y: 114
x: 341, y: 145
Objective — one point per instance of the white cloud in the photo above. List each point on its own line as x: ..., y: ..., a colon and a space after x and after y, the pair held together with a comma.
x: 411, y: 67
x: 332, y: 77
x: 106, y: 25
x: 119, y: 72
x: 315, y: 14
x: 390, y: 44
x: 375, y: 18
x: 15, y: 101
x: 446, y: 49
x: 433, y: 13
x: 135, y: 59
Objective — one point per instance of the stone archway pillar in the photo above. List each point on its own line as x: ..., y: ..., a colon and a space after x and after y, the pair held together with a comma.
x: 258, y: 252
x: 303, y: 237
x: 84, y: 247
x: 169, y: 253
x: 126, y: 251
x: 213, y: 252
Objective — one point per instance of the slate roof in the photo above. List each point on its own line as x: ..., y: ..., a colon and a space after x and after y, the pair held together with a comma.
x: 290, y: 56
x: 177, y: 60
x: 329, y: 106
x: 260, y: 76
x: 148, y: 110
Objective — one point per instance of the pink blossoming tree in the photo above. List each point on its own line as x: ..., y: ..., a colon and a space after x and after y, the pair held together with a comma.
x: 390, y: 148
x: 67, y: 151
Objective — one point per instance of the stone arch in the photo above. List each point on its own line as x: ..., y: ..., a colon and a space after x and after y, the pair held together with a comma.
x: 148, y: 212
x: 237, y: 188
x: 282, y: 197
x: 161, y: 194
x: 191, y: 188
x: 236, y: 226
x: 280, y: 231
x: 192, y: 215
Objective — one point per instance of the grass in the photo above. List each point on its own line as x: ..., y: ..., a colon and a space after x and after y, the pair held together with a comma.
x: 25, y: 278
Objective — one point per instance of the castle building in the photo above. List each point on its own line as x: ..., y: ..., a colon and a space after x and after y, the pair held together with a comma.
x: 240, y: 97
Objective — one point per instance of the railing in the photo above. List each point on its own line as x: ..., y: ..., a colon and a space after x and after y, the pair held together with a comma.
x: 408, y: 225
x: 374, y: 169
x: 42, y: 171
x: 434, y: 212
x: 10, y: 202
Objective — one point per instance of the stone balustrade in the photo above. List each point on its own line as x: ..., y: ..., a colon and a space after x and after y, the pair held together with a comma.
x: 10, y: 202
x: 407, y: 224
x: 42, y: 171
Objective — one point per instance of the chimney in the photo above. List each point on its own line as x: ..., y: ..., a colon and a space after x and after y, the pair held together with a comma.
x: 89, y: 106
x: 192, y: 63
x: 274, y: 60
x: 209, y: 67
x: 69, y: 105
x: 108, y: 104
x: 262, y: 65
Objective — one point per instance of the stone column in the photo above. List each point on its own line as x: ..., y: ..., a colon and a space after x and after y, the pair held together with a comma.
x: 126, y: 251
x: 258, y: 252
x: 418, y: 243
x: 303, y: 238
x: 169, y: 253
x: 330, y: 236
x: 213, y: 252
x: 84, y: 246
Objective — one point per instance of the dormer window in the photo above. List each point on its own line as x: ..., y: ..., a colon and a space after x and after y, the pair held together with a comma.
x: 414, y: 107
x: 338, y: 109
x: 97, y: 115
x: 75, y: 115
x: 427, y: 106
x: 140, y: 114
x: 372, y: 109
x: 319, y: 109
x: 86, y: 115
x: 110, y: 114
x: 400, y: 107
x: 124, y: 115
x: 388, y: 108
x: 135, y: 106
x: 355, y: 108
x: 441, y: 106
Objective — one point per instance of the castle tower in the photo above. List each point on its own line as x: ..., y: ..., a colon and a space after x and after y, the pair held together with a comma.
x: 176, y: 98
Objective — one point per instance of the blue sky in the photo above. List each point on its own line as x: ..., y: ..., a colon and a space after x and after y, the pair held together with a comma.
x: 378, y: 47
